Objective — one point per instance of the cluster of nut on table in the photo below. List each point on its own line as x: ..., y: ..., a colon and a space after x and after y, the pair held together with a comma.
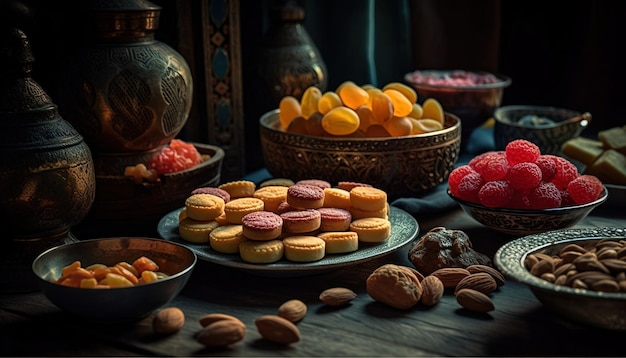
x: 443, y: 260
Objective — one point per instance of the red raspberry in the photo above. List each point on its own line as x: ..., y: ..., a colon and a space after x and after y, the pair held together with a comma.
x: 520, y: 151
x: 176, y: 157
x: 585, y: 189
x: 547, y: 166
x: 456, y: 175
x: 469, y: 186
x: 566, y: 200
x: 565, y: 172
x: 495, y: 194
x: 519, y: 200
x: 493, y: 166
x: 545, y: 196
x: 524, y: 176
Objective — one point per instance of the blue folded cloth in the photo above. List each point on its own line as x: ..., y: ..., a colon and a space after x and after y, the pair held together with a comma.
x: 436, y: 200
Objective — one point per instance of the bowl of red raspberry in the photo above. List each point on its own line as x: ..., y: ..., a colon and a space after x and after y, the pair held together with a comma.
x: 520, y: 191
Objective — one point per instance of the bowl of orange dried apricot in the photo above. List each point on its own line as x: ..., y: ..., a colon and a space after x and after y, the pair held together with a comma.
x: 113, y: 280
x: 362, y: 133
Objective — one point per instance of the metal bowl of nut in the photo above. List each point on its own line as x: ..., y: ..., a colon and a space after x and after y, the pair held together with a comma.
x: 92, y: 279
x: 579, y: 274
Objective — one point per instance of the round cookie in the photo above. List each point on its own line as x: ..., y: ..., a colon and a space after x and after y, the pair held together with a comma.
x: 336, y: 198
x: 371, y: 229
x: 226, y: 238
x: 304, y: 248
x: 262, y: 225
x: 340, y: 242
x: 236, y: 209
x: 272, y: 196
x: 305, y: 196
x: 239, y: 189
x: 334, y: 219
x: 261, y: 252
x: 204, y: 207
x: 284, y: 207
x: 301, y: 221
x: 362, y: 214
x: 368, y: 198
x: 316, y: 182
x: 195, y: 231
x: 277, y: 182
x: 349, y: 185
x: 213, y: 191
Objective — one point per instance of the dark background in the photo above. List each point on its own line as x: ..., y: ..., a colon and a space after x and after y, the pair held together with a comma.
x: 568, y: 54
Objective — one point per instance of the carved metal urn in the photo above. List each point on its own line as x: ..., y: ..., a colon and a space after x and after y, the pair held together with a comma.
x: 289, y: 61
x: 125, y: 92
x: 47, y: 174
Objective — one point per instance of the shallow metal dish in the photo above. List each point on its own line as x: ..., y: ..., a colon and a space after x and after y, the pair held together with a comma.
x: 604, y: 310
x: 115, y: 304
x: 521, y: 222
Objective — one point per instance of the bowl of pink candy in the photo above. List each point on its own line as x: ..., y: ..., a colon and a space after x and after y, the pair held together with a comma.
x: 473, y: 96
x: 520, y: 191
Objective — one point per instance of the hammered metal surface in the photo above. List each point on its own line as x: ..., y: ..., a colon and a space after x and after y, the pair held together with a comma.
x: 605, y: 310
x: 402, y: 166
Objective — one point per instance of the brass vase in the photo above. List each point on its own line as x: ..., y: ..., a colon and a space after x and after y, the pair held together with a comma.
x: 126, y: 93
x: 289, y: 61
x: 47, y: 174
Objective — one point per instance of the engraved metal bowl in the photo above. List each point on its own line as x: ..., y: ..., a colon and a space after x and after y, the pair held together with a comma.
x: 549, y: 138
x: 519, y: 222
x: 472, y: 104
x: 112, y: 305
x: 402, y: 166
x: 605, y: 310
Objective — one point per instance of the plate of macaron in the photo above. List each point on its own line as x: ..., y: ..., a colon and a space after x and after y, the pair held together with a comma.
x: 285, y: 228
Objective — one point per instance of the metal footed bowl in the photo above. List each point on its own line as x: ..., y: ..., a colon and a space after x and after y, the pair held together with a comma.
x: 402, y: 166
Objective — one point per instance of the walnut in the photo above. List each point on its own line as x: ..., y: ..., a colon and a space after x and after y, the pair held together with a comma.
x: 441, y: 247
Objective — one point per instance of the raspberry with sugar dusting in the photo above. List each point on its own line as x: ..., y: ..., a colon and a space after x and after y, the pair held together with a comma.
x: 565, y: 172
x: 456, y: 175
x: 545, y: 196
x: 495, y: 194
x: 584, y: 189
x: 469, y: 186
x: 521, y: 150
x: 524, y: 176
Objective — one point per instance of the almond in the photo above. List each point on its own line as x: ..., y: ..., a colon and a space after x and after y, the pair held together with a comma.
x: 473, y: 300
x: 214, y: 317
x: 293, y: 310
x: 432, y: 290
x: 337, y: 296
x: 222, y: 333
x: 481, y: 282
x: 168, y: 320
x: 497, y: 275
x: 450, y: 276
x: 394, y: 286
x: 277, y: 329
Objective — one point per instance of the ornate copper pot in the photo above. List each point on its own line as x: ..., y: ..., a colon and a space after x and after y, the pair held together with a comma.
x: 126, y: 92
x: 47, y: 174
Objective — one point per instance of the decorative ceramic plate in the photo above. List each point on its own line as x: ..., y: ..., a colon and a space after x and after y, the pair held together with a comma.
x: 404, y: 229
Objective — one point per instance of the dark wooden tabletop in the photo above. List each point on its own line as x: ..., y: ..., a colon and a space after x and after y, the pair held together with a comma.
x: 519, y: 325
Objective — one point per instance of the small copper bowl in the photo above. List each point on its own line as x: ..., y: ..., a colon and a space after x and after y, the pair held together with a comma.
x: 402, y: 166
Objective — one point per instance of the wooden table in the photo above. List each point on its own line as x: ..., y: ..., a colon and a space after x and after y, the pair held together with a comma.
x: 519, y: 326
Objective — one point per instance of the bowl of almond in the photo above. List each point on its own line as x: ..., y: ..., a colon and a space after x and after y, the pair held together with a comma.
x: 579, y: 274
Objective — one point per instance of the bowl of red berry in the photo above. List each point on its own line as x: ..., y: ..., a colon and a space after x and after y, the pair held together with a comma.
x: 519, y: 191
